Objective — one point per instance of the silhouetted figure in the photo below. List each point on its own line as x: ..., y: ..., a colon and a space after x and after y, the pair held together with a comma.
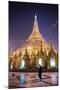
x: 40, y: 71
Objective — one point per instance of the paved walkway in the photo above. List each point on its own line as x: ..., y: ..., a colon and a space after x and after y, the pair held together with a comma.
x: 25, y: 80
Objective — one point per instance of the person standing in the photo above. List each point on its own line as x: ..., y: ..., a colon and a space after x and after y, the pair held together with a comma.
x: 40, y: 72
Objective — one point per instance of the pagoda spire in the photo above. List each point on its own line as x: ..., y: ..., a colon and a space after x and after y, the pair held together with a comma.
x: 35, y: 17
x: 51, y: 45
x: 35, y: 35
x: 35, y: 27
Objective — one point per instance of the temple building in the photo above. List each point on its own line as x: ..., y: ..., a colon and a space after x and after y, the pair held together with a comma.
x: 33, y: 52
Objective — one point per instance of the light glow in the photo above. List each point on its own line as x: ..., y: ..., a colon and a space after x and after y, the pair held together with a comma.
x: 52, y: 62
x: 22, y: 64
x: 29, y: 48
x: 11, y: 67
x: 40, y: 61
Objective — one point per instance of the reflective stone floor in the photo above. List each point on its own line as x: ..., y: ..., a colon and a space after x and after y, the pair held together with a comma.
x: 27, y: 80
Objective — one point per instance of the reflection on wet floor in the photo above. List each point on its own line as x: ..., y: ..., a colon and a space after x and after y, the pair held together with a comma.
x: 17, y: 79
x: 22, y: 79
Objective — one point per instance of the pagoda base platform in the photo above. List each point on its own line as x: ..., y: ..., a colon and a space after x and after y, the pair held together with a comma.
x: 33, y: 70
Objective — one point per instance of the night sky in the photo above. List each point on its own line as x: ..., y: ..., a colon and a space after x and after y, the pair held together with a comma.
x: 21, y: 19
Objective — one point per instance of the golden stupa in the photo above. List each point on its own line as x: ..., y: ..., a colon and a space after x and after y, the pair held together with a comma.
x: 33, y: 52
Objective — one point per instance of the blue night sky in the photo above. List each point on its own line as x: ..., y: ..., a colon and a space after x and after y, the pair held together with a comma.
x: 21, y: 19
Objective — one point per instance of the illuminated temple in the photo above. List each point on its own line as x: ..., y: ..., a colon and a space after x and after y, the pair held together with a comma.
x: 33, y: 52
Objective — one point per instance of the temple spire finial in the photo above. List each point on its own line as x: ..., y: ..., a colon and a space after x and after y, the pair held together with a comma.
x: 35, y: 16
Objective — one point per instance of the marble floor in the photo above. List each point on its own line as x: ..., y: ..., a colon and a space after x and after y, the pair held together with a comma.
x: 27, y: 80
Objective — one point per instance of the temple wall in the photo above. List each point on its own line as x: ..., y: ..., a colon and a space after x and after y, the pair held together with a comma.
x: 33, y: 60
